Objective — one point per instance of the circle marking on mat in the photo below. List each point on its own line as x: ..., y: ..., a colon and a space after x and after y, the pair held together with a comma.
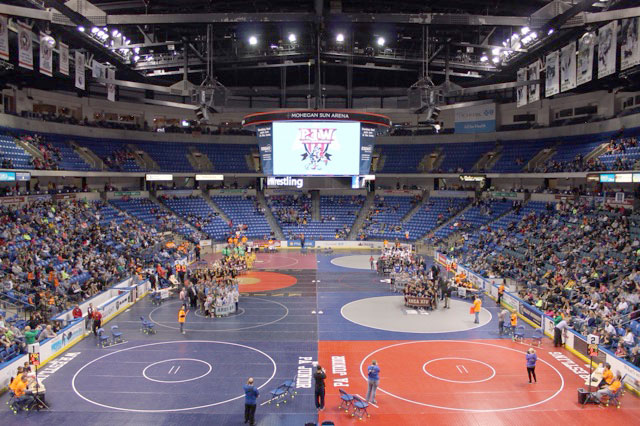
x: 226, y: 329
x: 469, y: 410
x: 134, y: 410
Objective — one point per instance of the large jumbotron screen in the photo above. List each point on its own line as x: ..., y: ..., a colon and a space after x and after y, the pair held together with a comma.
x: 315, y: 148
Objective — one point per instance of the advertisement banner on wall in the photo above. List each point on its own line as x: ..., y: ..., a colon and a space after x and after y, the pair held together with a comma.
x: 476, y: 119
x: 531, y: 314
x: 64, y: 59
x: 4, y: 38
x: 607, y: 37
x: 568, y: 67
x: 552, y: 79
x: 585, y: 58
x: 533, y: 93
x: 25, y: 46
x: 521, y: 91
x: 511, y: 301
x: 46, y: 55
x: 629, y: 43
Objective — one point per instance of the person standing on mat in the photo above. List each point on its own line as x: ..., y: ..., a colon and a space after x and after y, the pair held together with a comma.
x: 502, y: 316
x: 97, y: 321
x: 319, y: 376
x: 182, y: 317
x: 477, y: 306
x: 373, y: 372
x: 251, y: 394
x: 372, y: 262
x: 532, y: 358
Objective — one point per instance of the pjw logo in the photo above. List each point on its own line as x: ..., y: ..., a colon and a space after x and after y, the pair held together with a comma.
x: 316, y: 143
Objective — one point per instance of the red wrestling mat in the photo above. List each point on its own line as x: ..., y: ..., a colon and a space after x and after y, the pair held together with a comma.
x: 286, y: 260
x: 462, y: 382
x: 255, y: 281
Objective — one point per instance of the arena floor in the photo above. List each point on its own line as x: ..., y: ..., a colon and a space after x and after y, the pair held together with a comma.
x: 298, y: 308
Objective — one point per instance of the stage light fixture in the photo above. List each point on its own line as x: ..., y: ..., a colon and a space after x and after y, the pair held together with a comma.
x: 292, y: 38
x: 381, y: 41
x: 340, y: 38
x: 253, y: 40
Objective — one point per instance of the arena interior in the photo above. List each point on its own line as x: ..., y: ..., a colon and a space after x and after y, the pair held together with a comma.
x: 319, y: 212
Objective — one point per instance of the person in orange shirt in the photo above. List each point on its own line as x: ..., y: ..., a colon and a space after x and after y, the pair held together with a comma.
x: 182, y: 317
x: 500, y: 293
x: 22, y: 398
x: 609, y: 390
x: 607, y: 376
x: 477, y: 306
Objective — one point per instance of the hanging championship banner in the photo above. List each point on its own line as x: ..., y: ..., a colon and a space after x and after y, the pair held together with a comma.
x: 629, y: 46
x: 111, y: 88
x: 534, y: 89
x: 607, y: 36
x: 521, y: 91
x: 4, y: 38
x: 25, y: 46
x: 79, y: 70
x: 98, y: 70
x: 552, y: 80
x: 46, y: 55
x: 568, y: 67
x: 585, y: 58
x: 64, y: 58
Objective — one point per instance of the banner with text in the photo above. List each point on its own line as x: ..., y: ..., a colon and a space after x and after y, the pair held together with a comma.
x: 568, y: 67
x: 552, y: 79
x: 585, y: 58
x: 534, y: 89
x: 607, y: 36
x: 521, y: 91
x: 629, y: 45
x: 4, y: 38
x: 25, y: 46
x: 64, y: 59
x: 80, y: 70
x: 46, y: 55
x: 476, y: 119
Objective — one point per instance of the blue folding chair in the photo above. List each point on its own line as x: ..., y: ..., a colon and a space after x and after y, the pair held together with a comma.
x: 359, y: 407
x: 147, y: 326
x: 518, y: 333
x: 116, y: 335
x: 536, y: 337
x: 103, y: 339
x: 346, y: 401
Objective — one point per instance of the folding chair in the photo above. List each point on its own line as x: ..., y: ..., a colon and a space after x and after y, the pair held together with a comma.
x: 278, y: 394
x: 518, y: 333
x: 359, y: 408
x: 346, y: 401
x: 536, y: 337
x: 116, y: 335
x: 147, y: 327
x: 103, y: 339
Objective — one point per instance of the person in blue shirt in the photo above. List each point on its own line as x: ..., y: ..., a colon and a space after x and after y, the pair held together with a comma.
x: 373, y: 378
x: 532, y: 358
x: 251, y: 393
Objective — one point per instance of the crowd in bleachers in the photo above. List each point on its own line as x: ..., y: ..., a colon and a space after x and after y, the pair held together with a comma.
x: 291, y: 209
x: 56, y: 254
x: 572, y: 259
x: 384, y: 218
